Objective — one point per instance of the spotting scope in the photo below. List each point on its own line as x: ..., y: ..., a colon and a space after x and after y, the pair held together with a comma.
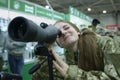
x: 24, y: 30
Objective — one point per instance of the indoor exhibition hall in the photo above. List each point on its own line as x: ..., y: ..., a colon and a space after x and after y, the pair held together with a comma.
x: 59, y: 39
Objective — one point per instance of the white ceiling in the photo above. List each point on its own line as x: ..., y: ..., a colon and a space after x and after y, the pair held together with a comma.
x: 97, y: 6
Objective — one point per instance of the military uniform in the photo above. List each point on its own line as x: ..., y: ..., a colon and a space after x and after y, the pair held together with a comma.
x: 110, y: 72
x: 74, y: 73
x: 43, y: 72
x: 116, y: 40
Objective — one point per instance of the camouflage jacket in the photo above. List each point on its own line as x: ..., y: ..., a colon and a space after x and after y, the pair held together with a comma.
x: 116, y: 40
x: 110, y: 72
x: 74, y: 73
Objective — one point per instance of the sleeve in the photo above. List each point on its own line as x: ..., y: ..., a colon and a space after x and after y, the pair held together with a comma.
x: 111, y: 59
x: 107, y: 45
x: 10, y: 46
x: 75, y: 73
x: 15, y: 45
x: 19, y: 44
x: 116, y: 40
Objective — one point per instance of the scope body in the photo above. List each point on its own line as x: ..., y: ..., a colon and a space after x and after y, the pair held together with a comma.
x: 24, y: 30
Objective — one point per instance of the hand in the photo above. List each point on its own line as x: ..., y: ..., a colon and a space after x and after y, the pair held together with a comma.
x: 59, y: 64
x: 51, y: 46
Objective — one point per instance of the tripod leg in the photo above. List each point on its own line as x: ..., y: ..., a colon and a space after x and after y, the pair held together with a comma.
x: 50, y: 64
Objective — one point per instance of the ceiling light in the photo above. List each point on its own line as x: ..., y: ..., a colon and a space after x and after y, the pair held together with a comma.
x: 48, y: 7
x: 104, y: 11
x: 89, y: 9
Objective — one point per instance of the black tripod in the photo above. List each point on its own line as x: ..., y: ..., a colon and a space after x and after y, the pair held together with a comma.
x: 42, y: 48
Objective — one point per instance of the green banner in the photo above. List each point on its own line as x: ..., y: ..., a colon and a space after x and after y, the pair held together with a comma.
x: 49, y: 14
x: 67, y: 17
x: 25, y: 7
x: 78, y: 13
x: 59, y: 16
x: 22, y: 6
x: 4, y: 3
x: 43, y: 12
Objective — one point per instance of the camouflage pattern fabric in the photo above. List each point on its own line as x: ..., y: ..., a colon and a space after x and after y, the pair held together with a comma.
x: 74, y: 73
x: 107, y: 46
x: 43, y: 72
x: 116, y: 40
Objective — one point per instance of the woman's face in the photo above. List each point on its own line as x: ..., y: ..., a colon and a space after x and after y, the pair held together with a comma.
x: 69, y: 35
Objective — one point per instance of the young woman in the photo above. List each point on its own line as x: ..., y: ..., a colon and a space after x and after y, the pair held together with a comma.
x: 87, y: 54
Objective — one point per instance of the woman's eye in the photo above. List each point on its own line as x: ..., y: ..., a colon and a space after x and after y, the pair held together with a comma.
x: 66, y: 28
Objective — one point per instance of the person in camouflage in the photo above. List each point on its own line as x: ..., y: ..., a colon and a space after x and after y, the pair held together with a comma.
x: 116, y: 40
x: 94, y: 24
x: 87, y: 54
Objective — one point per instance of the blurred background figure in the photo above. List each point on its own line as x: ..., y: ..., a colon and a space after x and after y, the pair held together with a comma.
x: 2, y: 47
x: 16, y: 50
x: 109, y: 33
x: 94, y: 24
x: 100, y: 31
x: 118, y: 31
x: 116, y: 40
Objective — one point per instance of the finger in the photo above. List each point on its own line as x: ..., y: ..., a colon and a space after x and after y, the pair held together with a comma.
x: 58, y: 58
x: 58, y: 67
